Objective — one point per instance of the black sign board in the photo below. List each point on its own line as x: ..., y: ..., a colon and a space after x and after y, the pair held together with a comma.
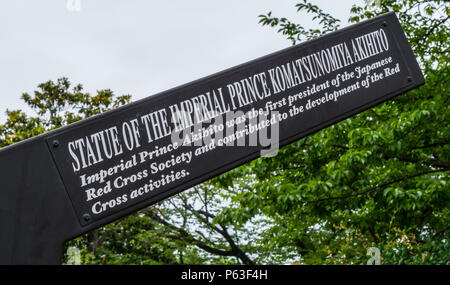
x: 121, y: 161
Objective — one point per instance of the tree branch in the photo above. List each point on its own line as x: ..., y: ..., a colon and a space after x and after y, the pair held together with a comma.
x: 185, y: 235
x: 376, y: 187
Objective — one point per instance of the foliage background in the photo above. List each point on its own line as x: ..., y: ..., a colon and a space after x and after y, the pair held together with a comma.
x: 380, y: 178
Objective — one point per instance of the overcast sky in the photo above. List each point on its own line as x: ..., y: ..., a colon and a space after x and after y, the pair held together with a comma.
x: 135, y: 47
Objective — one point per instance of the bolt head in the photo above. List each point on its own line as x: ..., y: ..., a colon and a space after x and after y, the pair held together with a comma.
x: 86, y: 217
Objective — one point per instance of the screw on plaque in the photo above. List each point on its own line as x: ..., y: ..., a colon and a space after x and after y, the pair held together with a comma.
x: 86, y: 217
x: 384, y: 24
x: 55, y: 143
x: 410, y: 79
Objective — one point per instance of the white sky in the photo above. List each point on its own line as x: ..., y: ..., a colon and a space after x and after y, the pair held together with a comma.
x: 135, y: 47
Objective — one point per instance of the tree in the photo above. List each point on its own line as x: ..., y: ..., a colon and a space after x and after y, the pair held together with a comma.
x: 56, y: 105
x: 380, y: 178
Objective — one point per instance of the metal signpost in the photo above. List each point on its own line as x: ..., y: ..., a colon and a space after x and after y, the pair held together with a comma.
x: 59, y: 185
